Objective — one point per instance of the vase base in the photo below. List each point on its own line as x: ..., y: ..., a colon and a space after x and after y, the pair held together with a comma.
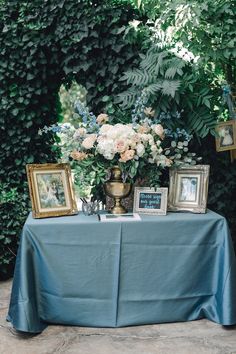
x: 118, y: 210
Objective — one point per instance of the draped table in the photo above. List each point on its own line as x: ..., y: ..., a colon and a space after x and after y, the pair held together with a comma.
x: 76, y: 270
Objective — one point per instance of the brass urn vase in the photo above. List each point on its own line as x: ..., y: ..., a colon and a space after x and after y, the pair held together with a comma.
x: 115, y: 188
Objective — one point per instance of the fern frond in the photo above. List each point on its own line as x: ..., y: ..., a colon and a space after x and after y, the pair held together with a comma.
x: 136, y: 77
x: 169, y: 87
x: 126, y: 99
x: 174, y: 66
x: 153, y: 89
x: 201, y: 122
x: 153, y: 61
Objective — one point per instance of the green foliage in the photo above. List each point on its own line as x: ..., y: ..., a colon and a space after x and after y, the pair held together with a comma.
x: 173, y: 85
x: 13, y: 211
x: 45, y: 44
x: 206, y: 27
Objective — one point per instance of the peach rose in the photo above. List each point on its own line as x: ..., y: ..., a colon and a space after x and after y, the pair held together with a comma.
x: 143, y: 129
x: 127, y: 155
x: 77, y: 155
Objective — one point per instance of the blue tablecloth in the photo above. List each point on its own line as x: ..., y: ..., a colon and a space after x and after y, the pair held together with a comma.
x: 79, y: 271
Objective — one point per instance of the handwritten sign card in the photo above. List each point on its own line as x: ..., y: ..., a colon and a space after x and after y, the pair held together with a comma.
x: 150, y: 201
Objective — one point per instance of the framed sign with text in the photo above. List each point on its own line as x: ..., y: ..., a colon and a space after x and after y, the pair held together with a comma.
x: 150, y: 201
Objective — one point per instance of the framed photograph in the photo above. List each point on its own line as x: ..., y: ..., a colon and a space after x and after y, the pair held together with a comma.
x: 226, y: 136
x: 51, y: 190
x: 150, y: 201
x: 189, y: 188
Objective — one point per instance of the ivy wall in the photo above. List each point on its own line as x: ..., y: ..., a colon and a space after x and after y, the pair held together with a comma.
x: 45, y: 44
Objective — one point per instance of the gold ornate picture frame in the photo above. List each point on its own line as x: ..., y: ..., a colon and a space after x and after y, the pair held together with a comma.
x: 226, y: 135
x: 188, y: 189
x: 51, y: 190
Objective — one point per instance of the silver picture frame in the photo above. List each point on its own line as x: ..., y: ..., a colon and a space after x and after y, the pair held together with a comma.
x: 159, y: 198
x: 188, y: 190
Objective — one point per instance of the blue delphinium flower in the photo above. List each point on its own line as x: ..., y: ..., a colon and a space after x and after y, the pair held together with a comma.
x: 137, y: 114
x: 88, y: 118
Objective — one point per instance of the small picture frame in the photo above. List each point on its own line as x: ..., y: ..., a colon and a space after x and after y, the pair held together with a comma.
x: 188, y: 189
x: 51, y: 190
x: 150, y: 201
x: 226, y: 136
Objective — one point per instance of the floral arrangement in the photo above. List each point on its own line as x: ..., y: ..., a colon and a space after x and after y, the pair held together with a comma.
x: 142, y: 149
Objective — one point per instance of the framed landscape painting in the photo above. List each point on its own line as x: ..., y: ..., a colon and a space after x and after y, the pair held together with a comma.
x: 51, y: 190
x: 226, y: 136
x: 189, y: 188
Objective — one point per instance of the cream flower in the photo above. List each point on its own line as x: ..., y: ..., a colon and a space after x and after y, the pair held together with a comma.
x: 89, y: 141
x: 144, y: 137
x: 106, y: 147
x: 159, y: 130
x: 80, y: 132
x: 169, y: 162
x: 140, y: 149
x: 153, y: 148
x: 102, y: 118
x: 149, y: 111
x: 105, y: 128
